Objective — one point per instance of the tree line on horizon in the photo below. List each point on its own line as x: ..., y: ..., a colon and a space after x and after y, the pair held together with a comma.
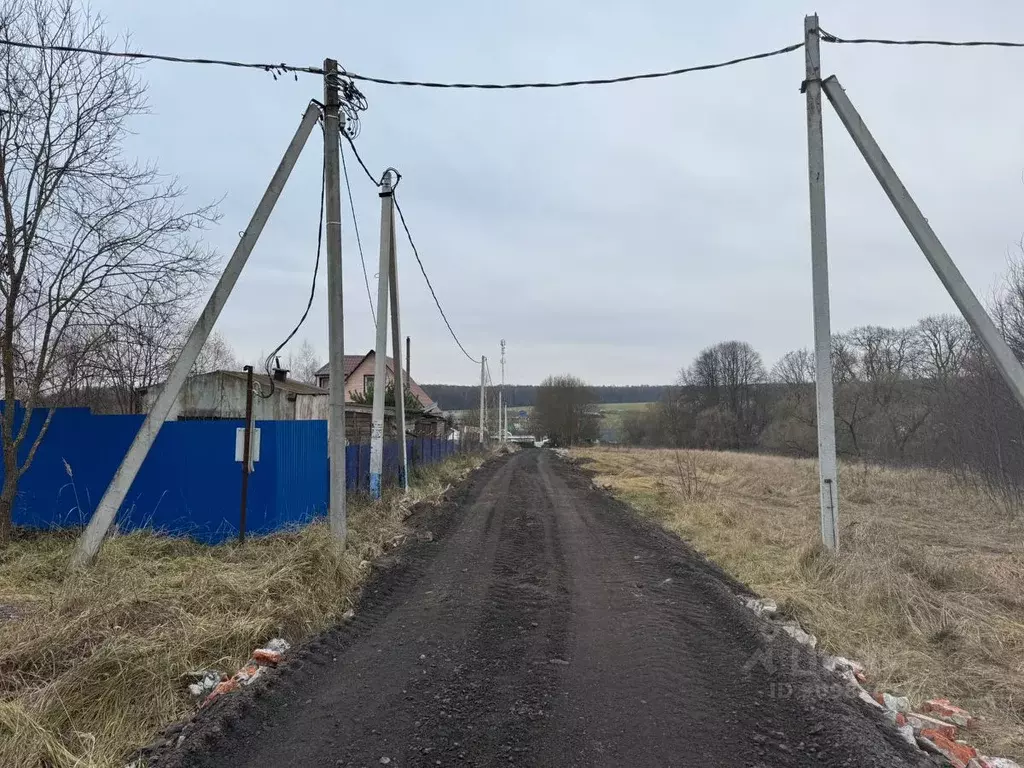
x: 925, y: 395
x: 457, y: 397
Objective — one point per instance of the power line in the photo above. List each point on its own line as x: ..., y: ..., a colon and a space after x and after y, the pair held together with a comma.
x: 282, y: 68
x: 419, y: 261
x: 362, y: 165
x: 575, y: 83
x: 412, y: 244
x: 312, y: 288
x: 355, y: 226
x: 274, y: 69
x: 830, y: 38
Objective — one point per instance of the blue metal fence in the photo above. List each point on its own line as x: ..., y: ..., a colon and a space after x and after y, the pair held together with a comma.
x: 190, y: 483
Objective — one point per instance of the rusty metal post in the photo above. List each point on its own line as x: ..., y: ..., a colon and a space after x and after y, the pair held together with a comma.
x: 246, y: 453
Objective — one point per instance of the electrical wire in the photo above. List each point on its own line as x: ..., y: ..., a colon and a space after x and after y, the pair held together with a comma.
x: 828, y: 37
x: 423, y: 270
x: 312, y: 288
x: 370, y: 176
x: 355, y: 226
x: 274, y: 69
x: 575, y: 83
x: 408, y: 235
x: 278, y: 69
x: 353, y: 97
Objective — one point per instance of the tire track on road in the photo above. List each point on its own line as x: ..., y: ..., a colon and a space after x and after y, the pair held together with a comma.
x: 547, y: 625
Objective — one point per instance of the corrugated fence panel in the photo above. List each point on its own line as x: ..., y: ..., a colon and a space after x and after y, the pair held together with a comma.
x: 72, y: 467
x: 300, y: 460
x: 190, y: 483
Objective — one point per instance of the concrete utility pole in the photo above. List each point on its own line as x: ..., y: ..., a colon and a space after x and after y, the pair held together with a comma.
x: 387, y: 215
x: 827, y: 472
x: 501, y: 396
x: 915, y: 221
x: 92, y: 538
x: 336, y: 443
x: 483, y: 405
x: 400, y: 381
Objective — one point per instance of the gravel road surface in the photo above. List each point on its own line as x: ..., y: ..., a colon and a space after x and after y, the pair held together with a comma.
x: 542, y: 623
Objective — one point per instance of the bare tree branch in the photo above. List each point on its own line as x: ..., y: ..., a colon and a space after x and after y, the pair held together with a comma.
x: 92, y: 243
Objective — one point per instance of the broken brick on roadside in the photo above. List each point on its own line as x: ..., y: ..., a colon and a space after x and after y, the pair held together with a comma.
x: 924, y: 722
x: 944, y: 709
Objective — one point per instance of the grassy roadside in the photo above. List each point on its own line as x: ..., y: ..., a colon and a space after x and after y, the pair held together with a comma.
x: 928, y: 592
x: 91, y: 666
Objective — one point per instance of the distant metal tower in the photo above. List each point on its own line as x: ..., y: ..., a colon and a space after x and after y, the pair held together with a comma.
x: 502, y: 417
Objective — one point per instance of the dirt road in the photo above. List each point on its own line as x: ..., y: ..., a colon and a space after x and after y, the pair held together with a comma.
x: 546, y: 625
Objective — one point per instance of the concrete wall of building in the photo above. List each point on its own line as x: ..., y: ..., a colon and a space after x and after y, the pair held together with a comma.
x: 213, y: 396
x: 311, y: 407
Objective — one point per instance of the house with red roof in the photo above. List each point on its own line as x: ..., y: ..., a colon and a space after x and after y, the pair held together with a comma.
x: 359, y: 378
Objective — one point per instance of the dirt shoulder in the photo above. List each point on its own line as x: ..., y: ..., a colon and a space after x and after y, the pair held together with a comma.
x: 543, y: 623
x: 926, y: 593
x: 93, y: 666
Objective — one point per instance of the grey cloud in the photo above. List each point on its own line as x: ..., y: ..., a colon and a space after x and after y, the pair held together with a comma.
x: 608, y: 232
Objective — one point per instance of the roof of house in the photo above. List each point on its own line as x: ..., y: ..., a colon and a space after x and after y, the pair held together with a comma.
x: 351, y: 363
x: 288, y: 385
x: 354, y: 361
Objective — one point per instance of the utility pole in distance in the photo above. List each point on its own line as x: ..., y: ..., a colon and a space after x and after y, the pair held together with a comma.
x: 483, y: 405
x: 829, y: 485
x: 502, y: 422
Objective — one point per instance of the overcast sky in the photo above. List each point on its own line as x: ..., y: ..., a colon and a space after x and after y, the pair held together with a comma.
x: 611, y: 232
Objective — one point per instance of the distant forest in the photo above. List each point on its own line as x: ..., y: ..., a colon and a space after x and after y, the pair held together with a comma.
x: 453, y: 397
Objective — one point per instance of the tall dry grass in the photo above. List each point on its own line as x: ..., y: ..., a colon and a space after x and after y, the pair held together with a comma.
x: 92, y: 665
x: 928, y: 591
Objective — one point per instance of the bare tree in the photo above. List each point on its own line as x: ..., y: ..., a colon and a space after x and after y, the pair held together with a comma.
x: 793, y: 424
x: 890, y: 366
x: 944, y: 343
x: 565, y: 411
x: 851, y: 397
x: 216, y: 355
x: 729, y: 375
x: 1008, y: 306
x: 135, y: 350
x: 305, y: 362
x: 87, y: 235
x: 794, y: 368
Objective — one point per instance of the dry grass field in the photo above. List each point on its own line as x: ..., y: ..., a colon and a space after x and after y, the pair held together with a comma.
x: 928, y: 591
x: 92, y: 665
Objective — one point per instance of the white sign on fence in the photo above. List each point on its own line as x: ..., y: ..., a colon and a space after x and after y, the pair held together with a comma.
x: 254, y: 446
